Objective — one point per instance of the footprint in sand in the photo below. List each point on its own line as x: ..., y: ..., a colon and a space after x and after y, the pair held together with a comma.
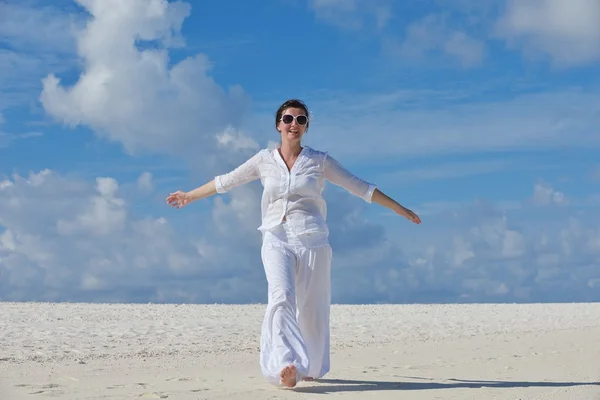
x: 115, y: 387
x: 180, y: 379
x: 41, y: 389
x: 153, y: 395
x: 369, y: 369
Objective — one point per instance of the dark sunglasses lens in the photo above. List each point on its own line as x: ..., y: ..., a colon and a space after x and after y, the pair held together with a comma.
x: 301, y: 119
x: 287, y: 119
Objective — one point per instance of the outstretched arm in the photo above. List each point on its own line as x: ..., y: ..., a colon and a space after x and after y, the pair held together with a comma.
x: 206, y: 190
x: 338, y: 175
x: 181, y: 199
x: 245, y: 173
x: 381, y: 198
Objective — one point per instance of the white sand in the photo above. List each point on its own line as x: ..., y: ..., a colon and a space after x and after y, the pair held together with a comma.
x: 85, y: 351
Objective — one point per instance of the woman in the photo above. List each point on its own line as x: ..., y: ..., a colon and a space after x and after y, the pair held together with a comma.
x: 295, y: 249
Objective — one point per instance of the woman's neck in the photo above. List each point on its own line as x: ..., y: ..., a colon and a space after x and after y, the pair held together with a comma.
x: 290, y: 149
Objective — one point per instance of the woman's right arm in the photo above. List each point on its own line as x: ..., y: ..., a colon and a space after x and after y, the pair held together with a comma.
x: 245, y: 173
x: 180, y: 198
x: 206, y: 190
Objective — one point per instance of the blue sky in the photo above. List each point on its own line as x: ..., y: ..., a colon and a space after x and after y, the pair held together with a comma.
x: 480, y: 116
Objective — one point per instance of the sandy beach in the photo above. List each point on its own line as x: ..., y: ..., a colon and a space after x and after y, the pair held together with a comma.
x: 127, y: 351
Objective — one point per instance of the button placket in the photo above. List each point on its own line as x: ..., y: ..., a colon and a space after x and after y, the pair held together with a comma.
x: 288, y: 183
x: 286, y: 195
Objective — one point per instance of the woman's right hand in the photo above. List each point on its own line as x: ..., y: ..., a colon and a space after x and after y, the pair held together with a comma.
x: 178, y: 199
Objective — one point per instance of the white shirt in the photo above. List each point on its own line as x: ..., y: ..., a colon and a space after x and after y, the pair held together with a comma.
x: 296, y: 194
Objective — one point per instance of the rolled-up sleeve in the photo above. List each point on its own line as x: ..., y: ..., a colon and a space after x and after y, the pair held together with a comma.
x: 245, y: 173
x: 338, y: 175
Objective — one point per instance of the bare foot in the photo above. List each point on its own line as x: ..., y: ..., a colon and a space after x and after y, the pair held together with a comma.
x: 288, y: 376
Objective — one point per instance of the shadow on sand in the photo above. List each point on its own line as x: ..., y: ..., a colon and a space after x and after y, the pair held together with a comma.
x: 347, y: 385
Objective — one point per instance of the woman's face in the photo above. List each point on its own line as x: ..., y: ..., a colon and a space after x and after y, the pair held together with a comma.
x: 292, y: 124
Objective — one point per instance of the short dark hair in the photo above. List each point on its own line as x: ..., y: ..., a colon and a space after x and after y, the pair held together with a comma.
x: 292, y: 103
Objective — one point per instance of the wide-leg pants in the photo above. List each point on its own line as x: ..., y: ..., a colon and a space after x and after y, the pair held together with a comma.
x: 295, y: 330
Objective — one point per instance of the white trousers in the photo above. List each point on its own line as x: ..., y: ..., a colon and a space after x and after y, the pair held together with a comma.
x: 295, y: 329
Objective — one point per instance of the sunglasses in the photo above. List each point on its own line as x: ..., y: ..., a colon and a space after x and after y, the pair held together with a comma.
x: 300, y: 119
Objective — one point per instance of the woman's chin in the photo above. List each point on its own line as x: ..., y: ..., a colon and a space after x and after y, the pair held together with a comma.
x: 292, y: 138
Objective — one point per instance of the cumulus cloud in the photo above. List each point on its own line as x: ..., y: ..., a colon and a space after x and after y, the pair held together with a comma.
x: 68, y: 240
x: 130, y: 92
x: 544, y: 194
x: 434, y: 35
x: 568, y: 32
x: 72, y: 240
x: 88, y: 239
x: 105, y: 214
x: 479, y: 252
x: 503, y: 258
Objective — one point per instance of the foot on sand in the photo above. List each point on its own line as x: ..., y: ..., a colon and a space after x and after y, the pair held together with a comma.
x: 288, y: 376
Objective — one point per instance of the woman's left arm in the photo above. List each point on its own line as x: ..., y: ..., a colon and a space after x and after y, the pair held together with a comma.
x: 340, y: 176
x: 381, y: 198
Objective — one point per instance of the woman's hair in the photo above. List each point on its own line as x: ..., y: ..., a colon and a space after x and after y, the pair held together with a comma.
x: 293, y: 103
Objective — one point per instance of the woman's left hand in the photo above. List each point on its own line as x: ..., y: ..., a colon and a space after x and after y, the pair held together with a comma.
x: 410, y: 215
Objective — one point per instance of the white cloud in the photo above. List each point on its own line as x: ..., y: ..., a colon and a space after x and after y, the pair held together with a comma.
x: 544, y: 194
x: 510, y: 257
x: 131, y: 94
x: 566, y: 31
x: 66, y: 239
x: 96, y: 247
x: 432, y: 35
x: 105, y: 214
x: 353, y: 14
x: 236, y: 140
x: 145, y: 182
